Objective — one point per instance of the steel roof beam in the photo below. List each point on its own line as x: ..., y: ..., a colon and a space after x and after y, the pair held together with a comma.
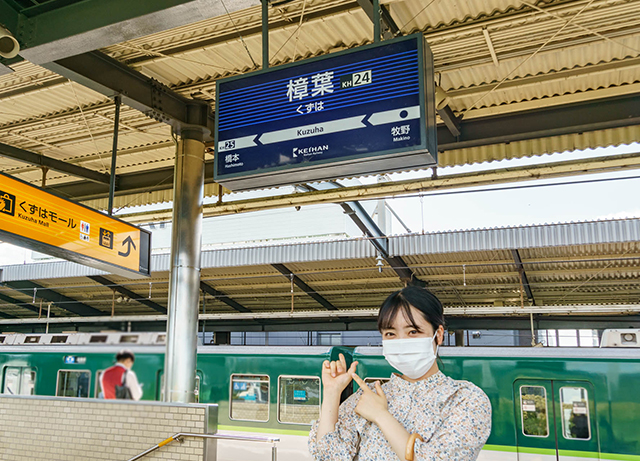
x: 551, y: 121
x: 390, y: 28
x: 472, y: 317
x: 378, y: 239
x: 523, y: 276
x: 63, y: 302
x: 220, y: 296
x: 597, y: 114
x: 107, y: 76
x: 52, y: 163
x: 450, y: 120
x: 16, y: 302
x: 126, y: 292
x: 304, y: 287
x: 55, y: 30
x: 128, y: 183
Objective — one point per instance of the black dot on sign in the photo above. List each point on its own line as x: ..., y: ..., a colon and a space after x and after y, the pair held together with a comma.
x: 404, y: 114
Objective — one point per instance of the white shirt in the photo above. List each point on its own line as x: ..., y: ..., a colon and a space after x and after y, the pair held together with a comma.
x: 131, y: 381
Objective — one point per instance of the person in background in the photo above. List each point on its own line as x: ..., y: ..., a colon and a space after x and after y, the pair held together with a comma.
x: 119, y: 381
x: 419, y: 415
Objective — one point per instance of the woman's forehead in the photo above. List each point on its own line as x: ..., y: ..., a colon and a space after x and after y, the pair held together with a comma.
x: 401, y: 320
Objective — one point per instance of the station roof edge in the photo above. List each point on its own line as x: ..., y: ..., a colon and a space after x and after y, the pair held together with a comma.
x: 598, y: 232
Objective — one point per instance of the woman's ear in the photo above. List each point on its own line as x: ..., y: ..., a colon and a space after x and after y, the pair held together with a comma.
x: 440, y: 335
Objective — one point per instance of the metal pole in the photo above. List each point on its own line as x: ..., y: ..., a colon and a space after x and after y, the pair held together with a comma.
x: 48, y: 317
x: 114, y: 153
x: 204, y: 311
x: 184, y: 278
x: 265, y: 34
x: 376, y: 20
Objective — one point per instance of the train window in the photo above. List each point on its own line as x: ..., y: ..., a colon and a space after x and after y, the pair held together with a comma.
x: 32, y: 339
x: 73, y: 383
x: 249, y: 398
x: 2, y: 339
x: 533, y: 401
x: 575, y: 413
x: 298, y: 399
x: 373, y: 380
x: 129, y: 339
x: 98, y: 339
x: 59, y: 339
x: 19, y: 381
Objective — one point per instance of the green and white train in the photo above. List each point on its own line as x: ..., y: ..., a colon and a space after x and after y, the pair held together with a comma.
x: 563, y: 404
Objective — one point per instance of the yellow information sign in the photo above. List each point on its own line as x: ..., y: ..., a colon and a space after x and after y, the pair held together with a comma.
x: 36, y: 219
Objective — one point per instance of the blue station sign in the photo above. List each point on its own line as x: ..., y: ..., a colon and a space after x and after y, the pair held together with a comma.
x: 363, y: 111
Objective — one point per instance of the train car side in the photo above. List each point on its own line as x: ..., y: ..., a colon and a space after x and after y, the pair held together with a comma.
x: 607, y: 377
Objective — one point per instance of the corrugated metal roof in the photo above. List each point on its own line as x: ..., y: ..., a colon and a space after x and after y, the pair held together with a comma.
x: 581, y: 233
x: 38, y: 109
x: 488, y: 244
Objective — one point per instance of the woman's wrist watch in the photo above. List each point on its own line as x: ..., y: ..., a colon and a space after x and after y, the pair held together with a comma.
x: 408, y: 454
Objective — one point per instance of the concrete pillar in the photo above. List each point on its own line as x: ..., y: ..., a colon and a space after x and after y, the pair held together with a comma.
x: 184, y: 278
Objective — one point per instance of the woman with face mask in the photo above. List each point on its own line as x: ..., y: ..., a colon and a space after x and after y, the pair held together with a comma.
x: 420, y: 414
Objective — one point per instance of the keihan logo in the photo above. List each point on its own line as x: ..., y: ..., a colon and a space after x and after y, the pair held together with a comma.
x: 307, y: 151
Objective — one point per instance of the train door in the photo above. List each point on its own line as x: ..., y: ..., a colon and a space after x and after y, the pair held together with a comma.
x: 535, y: 424
x: 576, y: 430
x: 555, y: 420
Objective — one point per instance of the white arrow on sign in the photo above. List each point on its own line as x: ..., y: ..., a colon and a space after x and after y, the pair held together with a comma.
x: 237, y: 143
x: 395, y: 115
x: 317, y: 129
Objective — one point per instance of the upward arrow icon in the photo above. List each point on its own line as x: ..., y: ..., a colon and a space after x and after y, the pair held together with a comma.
x: 129, y: 243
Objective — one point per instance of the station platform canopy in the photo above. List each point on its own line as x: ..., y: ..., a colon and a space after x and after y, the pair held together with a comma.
x: 516, y: 78
x: 584, y: 270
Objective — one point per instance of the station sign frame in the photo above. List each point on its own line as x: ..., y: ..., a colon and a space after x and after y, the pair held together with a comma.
x: 33, y: 218
x: 248, y: 157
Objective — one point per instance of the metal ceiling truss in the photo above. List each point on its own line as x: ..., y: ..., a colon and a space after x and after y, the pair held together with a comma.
x: 110, y: 77
x: 128, y: 293
x: 389, y: 27
x: 471, y: 317
x: 43, y: 161
x: 378, y: 239
x: 73, y: 27
x: 128, y: 183
x: 597, y: 114
x: 223, y: 298
x: 17, y: 303
x: 551, y: 121
x: 61, y: 301
x: 523, y: 276
x: 304, y: 287
x: 389, y: 30
x: 399, y: 188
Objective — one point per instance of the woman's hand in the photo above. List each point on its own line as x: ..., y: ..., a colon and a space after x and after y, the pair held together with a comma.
x: 335, y: 376
x: 372, y: 404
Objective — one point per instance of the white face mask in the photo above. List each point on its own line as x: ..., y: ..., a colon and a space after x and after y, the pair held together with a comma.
x: 412, y: 357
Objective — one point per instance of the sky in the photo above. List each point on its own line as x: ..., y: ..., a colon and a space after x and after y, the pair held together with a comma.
x: 516, y: 207
x: 498, y: 208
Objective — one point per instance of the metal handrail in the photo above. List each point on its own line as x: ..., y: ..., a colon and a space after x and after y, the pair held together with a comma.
x: 180, y: 435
